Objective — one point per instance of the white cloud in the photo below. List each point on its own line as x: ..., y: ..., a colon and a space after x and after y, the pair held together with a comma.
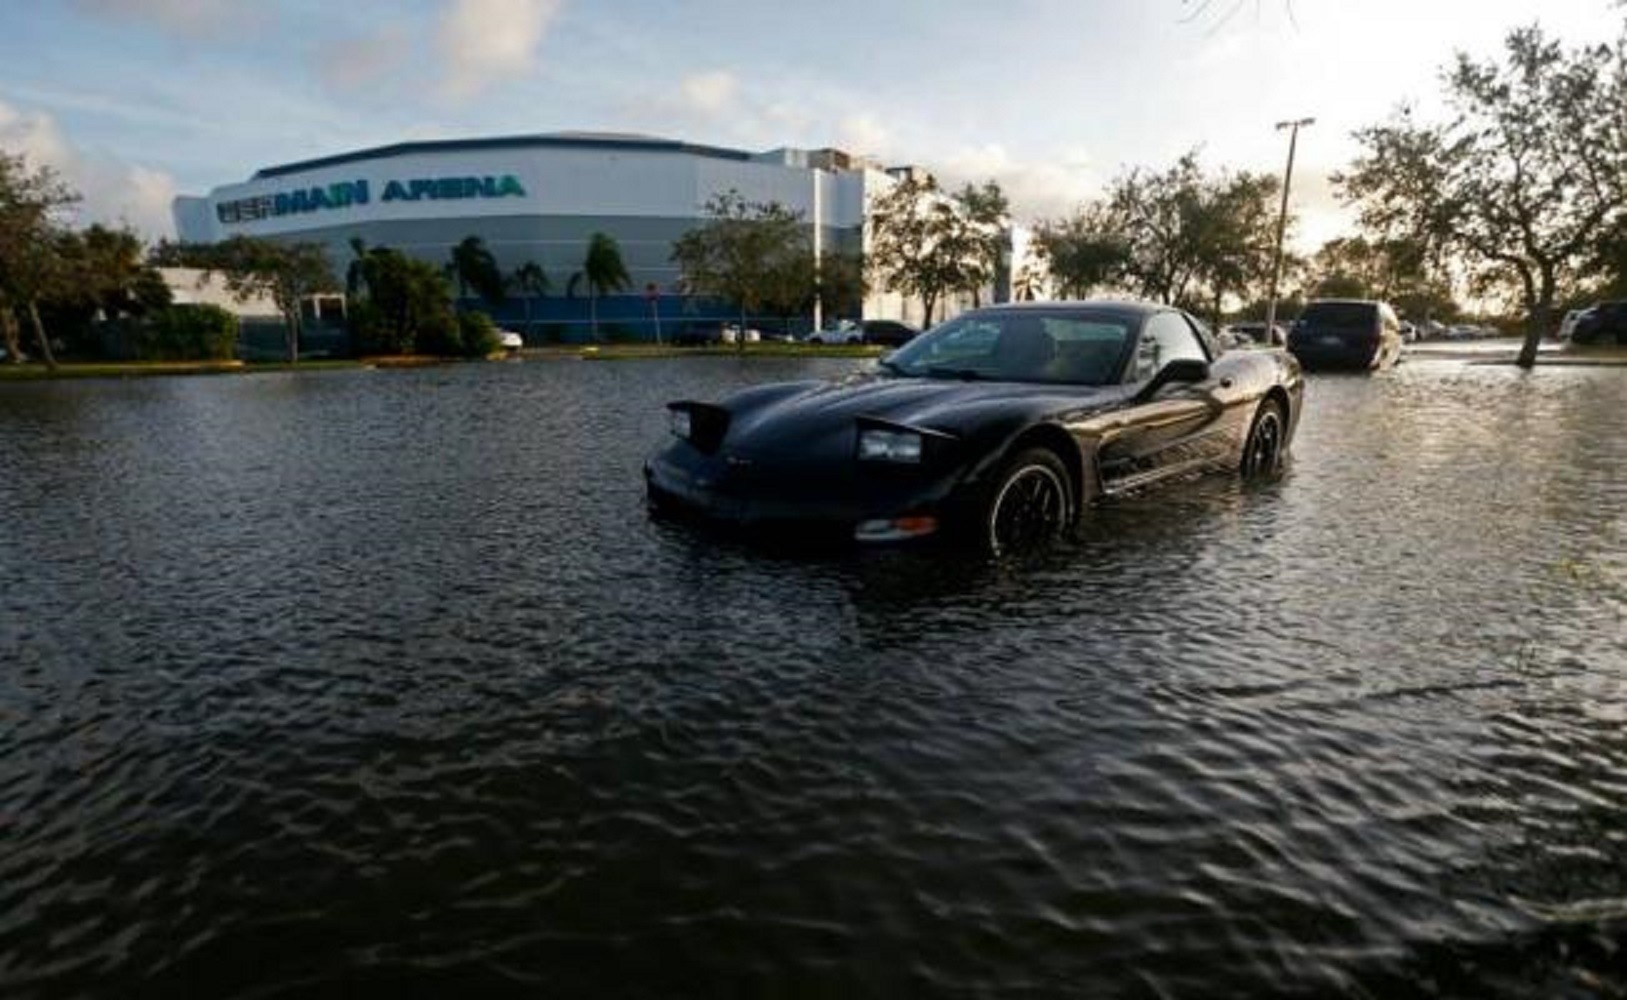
x: 348, y: 65
x: 115, y: 192
x: 485, y: 41
x: 1038, y: 189
x: 187, y: 18
x: 709, y: 93
x: 862, y: 133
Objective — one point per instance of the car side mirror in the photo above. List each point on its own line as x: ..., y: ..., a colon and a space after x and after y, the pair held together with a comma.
x: 1190, y: 370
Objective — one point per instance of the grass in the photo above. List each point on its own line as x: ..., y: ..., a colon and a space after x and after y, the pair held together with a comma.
x: 34, y: 371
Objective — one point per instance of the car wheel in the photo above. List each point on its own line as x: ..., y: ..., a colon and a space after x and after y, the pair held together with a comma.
x: 1263, y: 451
x: 1031, y: 504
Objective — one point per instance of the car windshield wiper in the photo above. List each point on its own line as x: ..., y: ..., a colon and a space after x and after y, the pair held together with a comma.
x: 964, y: 374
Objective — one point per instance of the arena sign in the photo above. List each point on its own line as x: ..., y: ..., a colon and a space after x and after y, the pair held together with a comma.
x: 345, y: 194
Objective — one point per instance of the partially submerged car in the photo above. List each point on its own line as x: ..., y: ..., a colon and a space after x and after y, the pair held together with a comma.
x: 1359, y: 334
x: 1604, y: 323
x: 998, y: 426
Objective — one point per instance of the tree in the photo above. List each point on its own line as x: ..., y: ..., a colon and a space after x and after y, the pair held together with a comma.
x: 918, y: 244
x: 1193, y: 239
x: 752, y: 254
x: 603, y: 271
x: 474, y: 266
x: 1179, y: 235
x: 841, y: 283
x: 400, y: 304
x: 1523, y: 179
x: 979, y: 241
x: 531, y: 282
x: 1082, y: 253
x: 286, y: 273
x: 31, y: 226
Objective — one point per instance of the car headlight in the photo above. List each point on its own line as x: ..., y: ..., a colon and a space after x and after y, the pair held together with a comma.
x: 679, y: 422
x: 879, y: 445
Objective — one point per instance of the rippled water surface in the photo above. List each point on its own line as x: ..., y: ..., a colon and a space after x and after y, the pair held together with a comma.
x: 382, y: 683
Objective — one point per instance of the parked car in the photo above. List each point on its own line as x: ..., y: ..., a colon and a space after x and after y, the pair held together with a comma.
x: 1251, y: 333
x: 698, y: 334
x: 844, y: 332
x: 888, y: 332
x: 730, y: 333
x: 1358, y: 334
x: 1567, y: 326
x: 1605, y: 323
x: 509, y: 340
x: 997, y: 427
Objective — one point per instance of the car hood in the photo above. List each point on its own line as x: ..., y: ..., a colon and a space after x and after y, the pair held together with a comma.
x: 805, y: 418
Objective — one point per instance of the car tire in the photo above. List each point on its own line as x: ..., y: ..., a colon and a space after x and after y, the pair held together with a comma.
x: 1031, y: 504
x: 1266, y: 444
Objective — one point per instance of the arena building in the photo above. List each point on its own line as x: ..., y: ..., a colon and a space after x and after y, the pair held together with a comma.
x: 539, y: 198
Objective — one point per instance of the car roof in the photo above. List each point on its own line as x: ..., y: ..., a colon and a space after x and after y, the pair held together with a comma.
x: 1120, y: 307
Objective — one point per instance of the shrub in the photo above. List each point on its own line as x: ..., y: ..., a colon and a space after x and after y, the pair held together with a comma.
x: 478, y: 334
x: 187, y: 333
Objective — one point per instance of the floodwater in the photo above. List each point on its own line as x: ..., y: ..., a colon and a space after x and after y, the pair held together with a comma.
x: 382, y: 683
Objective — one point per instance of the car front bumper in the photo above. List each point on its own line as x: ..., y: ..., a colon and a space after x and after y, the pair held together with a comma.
x: 880, y: 505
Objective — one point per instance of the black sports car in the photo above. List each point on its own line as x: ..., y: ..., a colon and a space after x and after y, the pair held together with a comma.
x: 998, y: 425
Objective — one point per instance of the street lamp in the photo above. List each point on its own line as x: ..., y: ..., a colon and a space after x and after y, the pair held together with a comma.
x: 1282, y: 217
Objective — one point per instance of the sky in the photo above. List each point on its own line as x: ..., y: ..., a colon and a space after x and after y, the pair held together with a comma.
x: 134, y: 101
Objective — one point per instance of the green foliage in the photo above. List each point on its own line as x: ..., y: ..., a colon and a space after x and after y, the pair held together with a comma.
x: 1395, y: 270
x: 929, y: 244
x: 32, y: 230
x: 842, y: 283
x: 979, y: 240
x: 401, y: 305
x: 1081, y: 253
x: 477, y: 335
x: 603, y: 271
x: 1522, y: 184
x: 474, y: 267
x: 286, y: 273
x: 912, y: 241
x: 756, y: 255
x: 186, y: 333
x: 1179, y: 235
x: 602, y: 268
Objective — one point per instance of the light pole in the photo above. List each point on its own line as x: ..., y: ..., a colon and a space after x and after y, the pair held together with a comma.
x: 1282, y: 218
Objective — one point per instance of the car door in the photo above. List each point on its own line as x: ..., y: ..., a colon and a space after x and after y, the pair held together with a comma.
x: 1179, y: 428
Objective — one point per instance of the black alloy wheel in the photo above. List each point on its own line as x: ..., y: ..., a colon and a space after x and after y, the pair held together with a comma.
x: 1263, y: 451
x: 1031, y: 503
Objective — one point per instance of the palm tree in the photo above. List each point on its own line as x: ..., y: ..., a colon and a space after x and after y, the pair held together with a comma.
x: 604, y: 271
x: 531, y: 282
x: 475, y: 267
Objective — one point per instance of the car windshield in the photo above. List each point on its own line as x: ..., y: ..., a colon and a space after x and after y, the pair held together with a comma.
x: 1078, y: 348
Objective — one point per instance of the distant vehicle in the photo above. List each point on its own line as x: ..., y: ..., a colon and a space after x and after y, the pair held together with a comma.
x: 1605, y: 323
x: 1567, y: 326
x: 508, y: 340
x: 844, y: 332
x: 997, y: 426
x: 698, y: 335
x: 1247, y: 333
x: 1464, y: 331
x: 729, y: 333
x: 1409, y: 332
x: 1361, y: 334
x: 888, y: 332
